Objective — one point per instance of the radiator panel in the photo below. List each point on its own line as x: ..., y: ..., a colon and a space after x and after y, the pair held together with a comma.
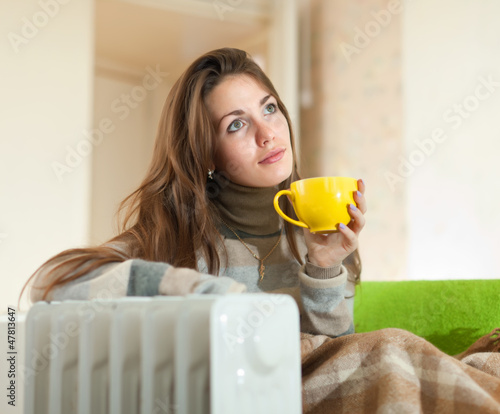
x: 186, y: 355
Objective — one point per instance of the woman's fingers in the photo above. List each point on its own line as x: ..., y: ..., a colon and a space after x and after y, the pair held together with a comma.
x: 361, y: 186
x: 350, y: 235
x: 359, y: 197
x: 358, y: 219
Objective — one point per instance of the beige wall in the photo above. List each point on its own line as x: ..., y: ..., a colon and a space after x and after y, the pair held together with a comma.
x: 406, y: 95
x: 353, y: 124
x: 46, y: 72
x: 452, y: 102
x: 121, y: 159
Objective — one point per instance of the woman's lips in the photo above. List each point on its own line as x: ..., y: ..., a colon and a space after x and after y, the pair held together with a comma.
x: 273, y: 156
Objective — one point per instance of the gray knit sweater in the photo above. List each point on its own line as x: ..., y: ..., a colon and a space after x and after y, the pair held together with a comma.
x: 324, y: 295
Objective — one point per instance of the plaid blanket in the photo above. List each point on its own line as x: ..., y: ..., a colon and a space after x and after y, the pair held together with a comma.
x: 394, y: 371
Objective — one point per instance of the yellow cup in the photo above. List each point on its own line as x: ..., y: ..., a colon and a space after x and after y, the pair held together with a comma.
x: 321, y: 203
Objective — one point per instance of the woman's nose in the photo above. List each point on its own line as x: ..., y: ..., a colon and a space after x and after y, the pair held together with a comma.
x: 263, y: 134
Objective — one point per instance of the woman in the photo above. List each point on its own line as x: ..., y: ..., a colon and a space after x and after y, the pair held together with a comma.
x: 224, y: 148
x: 203, y: 221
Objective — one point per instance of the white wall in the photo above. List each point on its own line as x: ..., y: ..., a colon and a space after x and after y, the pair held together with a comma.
x: 45, y: 107
x: 451, y: 49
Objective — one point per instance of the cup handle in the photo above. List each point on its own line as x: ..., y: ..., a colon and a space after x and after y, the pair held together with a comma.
x: 278, y: 209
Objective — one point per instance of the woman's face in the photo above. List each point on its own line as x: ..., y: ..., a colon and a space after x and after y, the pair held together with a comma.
x: 252, y: 137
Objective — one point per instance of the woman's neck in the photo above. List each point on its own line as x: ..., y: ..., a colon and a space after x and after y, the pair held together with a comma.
x: 249, y: 209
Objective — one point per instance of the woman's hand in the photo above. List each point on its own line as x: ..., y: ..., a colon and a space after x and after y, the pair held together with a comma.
x: 327, y: 250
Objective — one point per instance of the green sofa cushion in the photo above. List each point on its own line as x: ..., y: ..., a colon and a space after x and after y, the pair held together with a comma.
x: 451, y: 314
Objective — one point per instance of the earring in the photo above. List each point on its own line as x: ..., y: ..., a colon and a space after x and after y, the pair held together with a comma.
x: 210, y: 174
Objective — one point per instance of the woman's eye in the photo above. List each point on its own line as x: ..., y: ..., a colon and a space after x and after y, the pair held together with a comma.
x: 271, y: 108
x: 235, y: 125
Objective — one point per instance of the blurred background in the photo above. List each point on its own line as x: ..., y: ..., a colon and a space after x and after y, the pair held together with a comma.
x: 404, y: 94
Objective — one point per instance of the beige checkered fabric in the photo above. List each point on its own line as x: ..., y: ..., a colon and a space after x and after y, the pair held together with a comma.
x: 394, y: 371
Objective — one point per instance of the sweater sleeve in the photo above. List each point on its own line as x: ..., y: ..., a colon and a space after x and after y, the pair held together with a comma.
x: 327, y: 304
x: 134, y: 277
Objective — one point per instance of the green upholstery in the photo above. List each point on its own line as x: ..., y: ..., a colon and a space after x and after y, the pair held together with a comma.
x: 451, y: 314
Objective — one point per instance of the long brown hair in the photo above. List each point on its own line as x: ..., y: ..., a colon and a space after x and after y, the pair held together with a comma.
x: 170, y: 217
